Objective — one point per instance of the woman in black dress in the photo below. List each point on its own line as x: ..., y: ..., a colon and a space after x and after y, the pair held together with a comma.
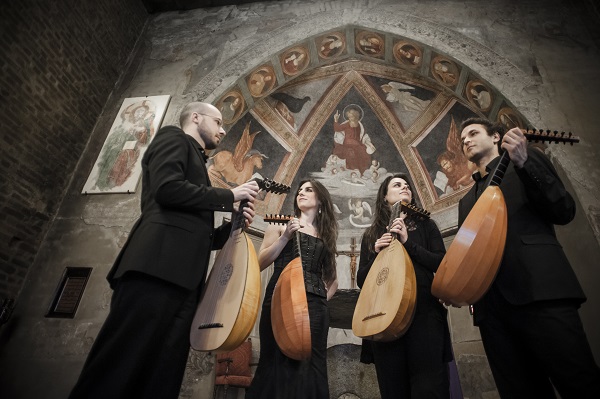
x: 278, y: 376
x: 416, y: 364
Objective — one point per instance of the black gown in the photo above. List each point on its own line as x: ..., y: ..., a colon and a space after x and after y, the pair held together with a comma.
x: 416, y: 364
x: 278, y: 376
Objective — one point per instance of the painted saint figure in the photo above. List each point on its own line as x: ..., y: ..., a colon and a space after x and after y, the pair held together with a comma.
x: 123, y: 147
x: 351, y: 143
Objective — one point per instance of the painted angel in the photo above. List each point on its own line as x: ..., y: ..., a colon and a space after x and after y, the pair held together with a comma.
x: 237, y: 168
x: 456, y: 170
x: 400, y: 93
x: 361, y: 213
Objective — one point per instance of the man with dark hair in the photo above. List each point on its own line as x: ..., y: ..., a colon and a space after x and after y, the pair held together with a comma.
x: 529, y: 320
x: 142, y: 348
x: 490, y: 129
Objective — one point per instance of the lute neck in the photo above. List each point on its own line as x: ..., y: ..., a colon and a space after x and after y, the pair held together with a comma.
x: 396, y: 213
x: 238, y: 224
x: 500, y: 170
x: 297, y: 245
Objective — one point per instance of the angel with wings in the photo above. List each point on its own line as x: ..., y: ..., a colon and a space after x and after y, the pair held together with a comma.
x: 456, y: 170
x: 361, y: 213
x: 237, y: 168
x: 400, y: 93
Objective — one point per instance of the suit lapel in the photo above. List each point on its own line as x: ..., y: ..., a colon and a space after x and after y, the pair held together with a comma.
x: 203, y: 157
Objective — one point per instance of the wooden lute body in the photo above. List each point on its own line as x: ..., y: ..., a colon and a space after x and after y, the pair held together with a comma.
x: 386, y: 303
x: 472, y: 260
x: 289, y: 313
x: 289, y: 307
x: 230, y: 301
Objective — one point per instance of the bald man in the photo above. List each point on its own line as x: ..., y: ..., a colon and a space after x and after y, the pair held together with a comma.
x: 142, y: 348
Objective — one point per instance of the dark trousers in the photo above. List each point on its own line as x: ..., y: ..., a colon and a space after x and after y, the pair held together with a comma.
x: 532, y: 347
x: 142, y: 348
x: 415, y: 365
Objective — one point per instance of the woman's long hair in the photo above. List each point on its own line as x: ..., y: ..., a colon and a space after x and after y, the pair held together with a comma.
x: 327, y: 227
x: 383, y: 212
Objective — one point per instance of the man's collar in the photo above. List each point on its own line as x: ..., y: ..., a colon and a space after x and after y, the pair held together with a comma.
x: 199, y: 147
x: 489, y: 167
x: 204, y: 156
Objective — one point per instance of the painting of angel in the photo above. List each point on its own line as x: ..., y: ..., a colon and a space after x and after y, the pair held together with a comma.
x: 401, y: 93
x: 237, y: 168
x: 456, y: 170
x: 361, y: 214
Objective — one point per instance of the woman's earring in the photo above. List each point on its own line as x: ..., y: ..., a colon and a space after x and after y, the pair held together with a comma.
x: 319, y: 210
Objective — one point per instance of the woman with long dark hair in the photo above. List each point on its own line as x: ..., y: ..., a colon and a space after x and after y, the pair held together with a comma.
x: 278, y: 376
x: 416, y: 364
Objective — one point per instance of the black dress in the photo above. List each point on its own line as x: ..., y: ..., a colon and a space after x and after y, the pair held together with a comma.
x: 278, y: 376
x: 416, y: 364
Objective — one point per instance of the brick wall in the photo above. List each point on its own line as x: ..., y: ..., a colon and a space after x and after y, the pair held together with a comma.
x: 59, y: 61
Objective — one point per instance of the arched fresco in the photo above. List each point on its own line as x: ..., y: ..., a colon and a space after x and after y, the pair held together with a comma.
x: 349, y: 107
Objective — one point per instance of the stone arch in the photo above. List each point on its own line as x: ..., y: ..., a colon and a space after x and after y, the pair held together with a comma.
x: 478, y: 67
x: 498, y: 71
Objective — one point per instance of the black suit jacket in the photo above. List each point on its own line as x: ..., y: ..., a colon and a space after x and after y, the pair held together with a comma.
x: 534, y: 266
x: 174, y: 235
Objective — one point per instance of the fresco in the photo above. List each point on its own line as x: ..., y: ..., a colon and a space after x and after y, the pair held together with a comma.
x: 445, y: 71
x: 232, y: 106
x: 370, y: 43
x: 480, y: 95
x: 350, y: 115
x: 261, y: 80
x: 405, y: 101
x: 408, y: 53
x: 247, y: 151
x: 440, y: 153
x: 295, y: 60
x: 351, y: 161
x: 119, y: 165
x: 331, y: 45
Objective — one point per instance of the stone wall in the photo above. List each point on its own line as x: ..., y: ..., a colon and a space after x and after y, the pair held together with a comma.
x: 60, y: 63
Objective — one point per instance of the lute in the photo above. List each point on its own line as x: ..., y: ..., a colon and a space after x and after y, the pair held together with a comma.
x: 230, y: 300
x: 289, y: 307
x: 472, y: 260
x: 386, y: 302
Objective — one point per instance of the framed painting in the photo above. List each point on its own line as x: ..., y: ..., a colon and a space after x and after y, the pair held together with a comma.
x: 118, y: 167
